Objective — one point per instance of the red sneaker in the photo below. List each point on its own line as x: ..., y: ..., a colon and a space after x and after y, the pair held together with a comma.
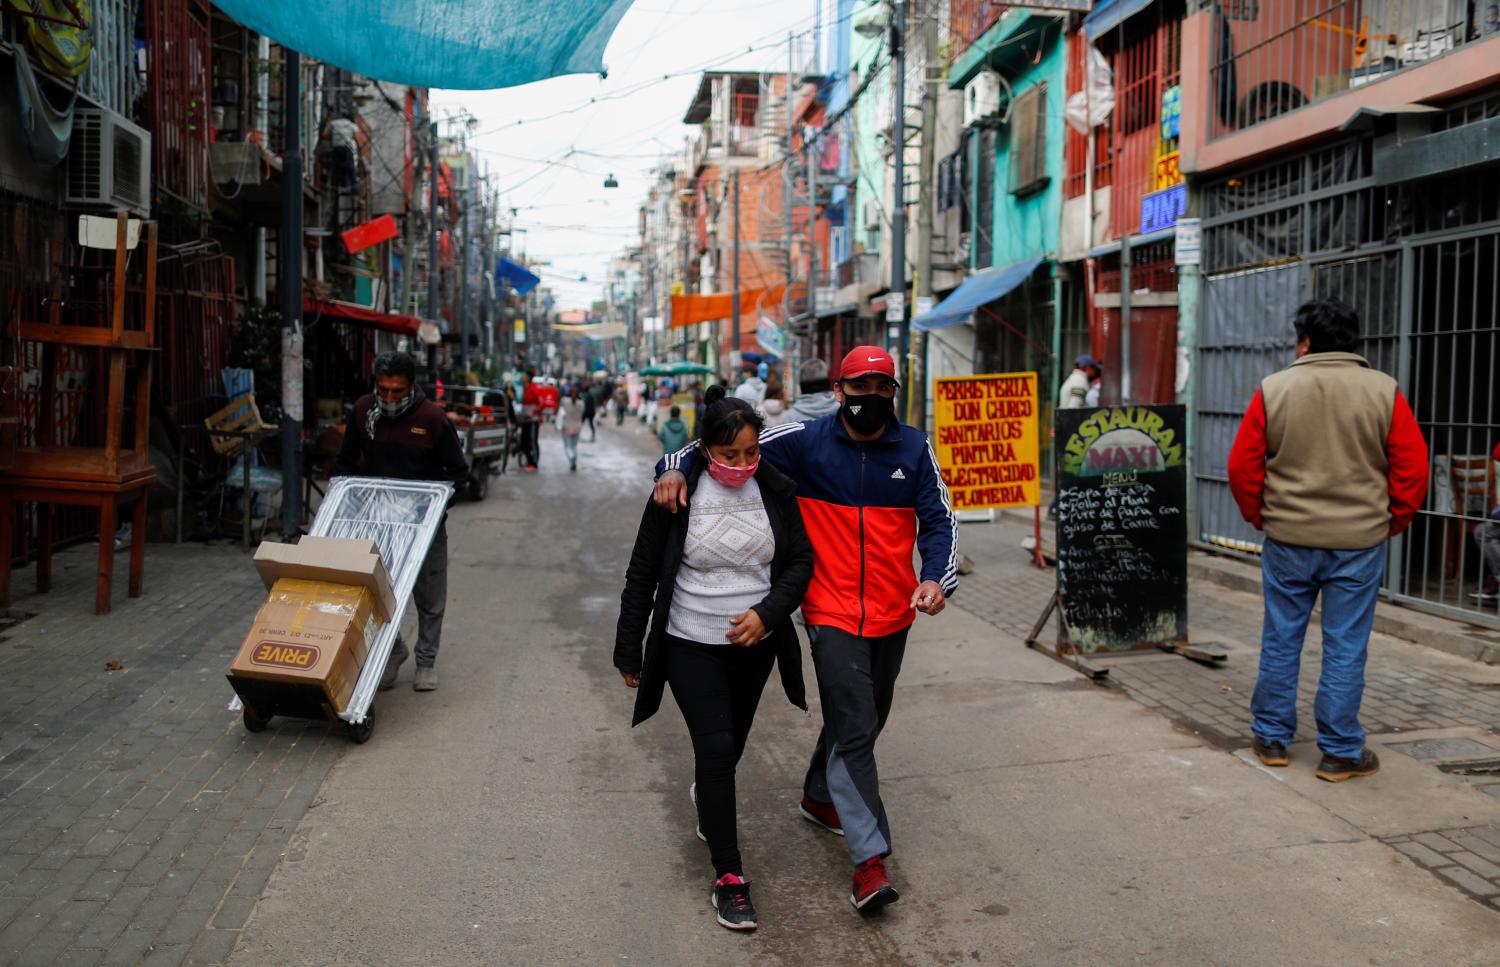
x: 821, y: 814
x: 872, y: 889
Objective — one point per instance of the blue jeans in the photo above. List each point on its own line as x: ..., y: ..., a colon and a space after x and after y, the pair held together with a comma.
x: 1350, y: 582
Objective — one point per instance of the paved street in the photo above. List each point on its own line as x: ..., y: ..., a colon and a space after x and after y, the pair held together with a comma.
x: 513, y: 817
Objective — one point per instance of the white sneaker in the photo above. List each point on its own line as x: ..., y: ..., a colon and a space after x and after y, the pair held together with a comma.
x: 693, y: 795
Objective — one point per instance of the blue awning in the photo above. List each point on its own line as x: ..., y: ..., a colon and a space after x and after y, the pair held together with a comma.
x: 973, y: 292
x: 518, y: 276
x: 1109, y: 14
x: 469, y: 44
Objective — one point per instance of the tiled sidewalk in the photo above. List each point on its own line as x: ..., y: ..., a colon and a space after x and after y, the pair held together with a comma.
x: 1215, y: 702
x: 138, y: 820
x: 1402, y: 694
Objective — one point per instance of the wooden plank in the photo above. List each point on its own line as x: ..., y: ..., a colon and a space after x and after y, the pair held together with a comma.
x: 115, y: 411
x: 78, y: 463
x: 150, y: 327
x: 84, y: 336
x: 1207, y: 653
x: 122, y: 259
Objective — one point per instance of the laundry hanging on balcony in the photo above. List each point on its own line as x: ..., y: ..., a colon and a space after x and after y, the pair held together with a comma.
x: 473, y: 45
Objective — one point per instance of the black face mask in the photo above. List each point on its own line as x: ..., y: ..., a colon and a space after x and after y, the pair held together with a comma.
x: 866, y: 414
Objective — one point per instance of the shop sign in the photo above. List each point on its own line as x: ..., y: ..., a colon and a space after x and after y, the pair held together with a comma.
x: 1161, y: 209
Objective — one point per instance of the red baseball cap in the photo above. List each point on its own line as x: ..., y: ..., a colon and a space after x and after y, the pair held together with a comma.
x: 864, y: 360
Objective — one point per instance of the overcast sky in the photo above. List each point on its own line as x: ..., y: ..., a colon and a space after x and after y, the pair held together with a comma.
x: 553, y: 170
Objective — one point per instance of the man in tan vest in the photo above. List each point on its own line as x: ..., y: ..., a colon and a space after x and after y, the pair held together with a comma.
x: 1329, y: 462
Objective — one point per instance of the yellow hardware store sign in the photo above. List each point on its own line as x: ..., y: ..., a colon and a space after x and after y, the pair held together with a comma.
x: 986, y: 439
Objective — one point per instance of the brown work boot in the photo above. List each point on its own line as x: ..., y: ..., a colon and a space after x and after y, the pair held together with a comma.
x: 1334, y: 769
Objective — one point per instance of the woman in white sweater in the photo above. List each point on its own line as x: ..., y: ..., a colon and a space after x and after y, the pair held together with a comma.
x: 717, y: 585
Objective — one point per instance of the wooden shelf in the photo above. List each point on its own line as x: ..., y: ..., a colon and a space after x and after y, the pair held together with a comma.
x: 86, y: 336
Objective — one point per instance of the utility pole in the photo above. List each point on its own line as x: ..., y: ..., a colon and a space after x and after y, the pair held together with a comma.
x: 788, y: 175
x: 916, y: 394
x: 433, y: 311
x: 289, y: 270
x: 463, y: 284
x: 802, y: 345
x: 734, y: 336
x: 895, y: 313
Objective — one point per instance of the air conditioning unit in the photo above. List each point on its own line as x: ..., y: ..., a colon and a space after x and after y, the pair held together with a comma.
x: 109, y: 163
x: 981, y: 98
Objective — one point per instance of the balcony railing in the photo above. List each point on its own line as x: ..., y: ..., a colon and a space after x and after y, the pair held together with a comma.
x: 1274, y: 56
x: 970, y: 19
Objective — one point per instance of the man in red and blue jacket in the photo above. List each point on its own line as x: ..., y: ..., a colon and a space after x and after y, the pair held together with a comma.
x: 871, y: 493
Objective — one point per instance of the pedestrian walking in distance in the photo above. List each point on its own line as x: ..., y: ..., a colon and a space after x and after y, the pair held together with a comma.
x: 816, y: 397
x: 1329, y: 462
x: 871, y: 494
x: 590, y: 403
x: 397, y: 432
x: 674, y: 432
x: 717, y: 587
x: 570, y: 419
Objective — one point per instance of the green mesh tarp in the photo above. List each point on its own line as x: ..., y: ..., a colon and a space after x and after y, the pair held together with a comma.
x: 469, y: 44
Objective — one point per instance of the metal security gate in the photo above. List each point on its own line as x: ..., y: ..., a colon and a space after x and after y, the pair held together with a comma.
x: 1420, y: 262
x: 1449, y: 358
x: 1246, y: 335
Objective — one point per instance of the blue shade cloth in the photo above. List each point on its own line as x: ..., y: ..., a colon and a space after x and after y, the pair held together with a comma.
x: 1109, y: 14
x: 472, y: 45
x: 518, y: 276
x: 975, y: 291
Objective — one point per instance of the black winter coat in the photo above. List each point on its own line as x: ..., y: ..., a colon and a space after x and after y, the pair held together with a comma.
x: 652, y: 577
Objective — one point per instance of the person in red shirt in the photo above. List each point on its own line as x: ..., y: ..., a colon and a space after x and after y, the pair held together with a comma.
x: 534, y: 403
x: 1329, y: 462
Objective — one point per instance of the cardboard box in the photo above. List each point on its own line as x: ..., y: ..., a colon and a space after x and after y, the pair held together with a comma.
x: 335, y: 560
x: 306, y: 647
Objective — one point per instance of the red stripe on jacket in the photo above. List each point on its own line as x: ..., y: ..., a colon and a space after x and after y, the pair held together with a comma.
x: 1405, y: 450
x: 883, y: 605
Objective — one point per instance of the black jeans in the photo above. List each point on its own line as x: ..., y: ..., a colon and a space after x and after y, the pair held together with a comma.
x: 856, y: 682
x: 718, y: 687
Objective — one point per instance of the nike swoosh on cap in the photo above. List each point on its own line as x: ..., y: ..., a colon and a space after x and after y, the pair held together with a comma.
x: 872, y: 359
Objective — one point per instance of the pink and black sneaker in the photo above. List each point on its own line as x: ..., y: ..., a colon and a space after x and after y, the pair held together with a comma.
x: 731, y: 903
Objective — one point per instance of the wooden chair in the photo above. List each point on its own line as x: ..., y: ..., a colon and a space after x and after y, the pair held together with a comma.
x: 111, y: 477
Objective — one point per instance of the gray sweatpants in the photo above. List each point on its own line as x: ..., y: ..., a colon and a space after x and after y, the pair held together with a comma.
x: 430, y: 595
x: 856, y: 682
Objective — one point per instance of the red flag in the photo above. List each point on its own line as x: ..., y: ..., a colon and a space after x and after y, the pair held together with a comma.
x: 370, y: 233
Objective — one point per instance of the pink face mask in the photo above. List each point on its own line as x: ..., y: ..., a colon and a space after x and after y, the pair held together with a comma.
x: 733, y: 477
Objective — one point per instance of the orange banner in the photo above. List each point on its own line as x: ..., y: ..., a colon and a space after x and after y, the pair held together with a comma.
x: 690, y: 309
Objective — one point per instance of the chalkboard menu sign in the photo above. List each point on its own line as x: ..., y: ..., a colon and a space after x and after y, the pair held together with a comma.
x: 1121, y: 528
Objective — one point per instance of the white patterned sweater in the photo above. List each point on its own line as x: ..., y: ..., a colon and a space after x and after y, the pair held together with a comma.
x: 726, y: 562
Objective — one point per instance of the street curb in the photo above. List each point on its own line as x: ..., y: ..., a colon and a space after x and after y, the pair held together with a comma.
x: 1447, y: 635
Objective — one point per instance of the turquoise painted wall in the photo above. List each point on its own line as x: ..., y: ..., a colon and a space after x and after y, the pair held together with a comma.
x: 1029, y: 226
x: 872, y: 176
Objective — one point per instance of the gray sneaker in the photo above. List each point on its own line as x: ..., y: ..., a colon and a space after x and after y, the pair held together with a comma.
x: 425, y: 679
x: 392, y: 670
